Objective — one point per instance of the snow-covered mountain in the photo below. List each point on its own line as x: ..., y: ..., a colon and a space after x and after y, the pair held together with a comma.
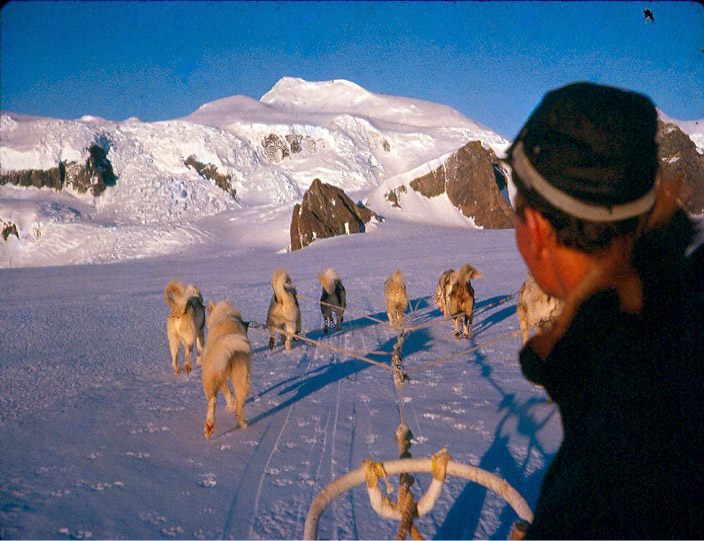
x: 693, y: 128
x: 270, y: 150
x: 176, y: 179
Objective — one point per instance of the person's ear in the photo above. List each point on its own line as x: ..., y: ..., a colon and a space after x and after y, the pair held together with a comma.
x: 540, y: 232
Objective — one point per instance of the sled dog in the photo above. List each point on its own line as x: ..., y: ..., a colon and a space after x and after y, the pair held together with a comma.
x: 333, y: 297
x: 441, y: 292
x: 535, y: 308
x: 185, y: 324
x: 284, y: 313
x: 460, y: 297
x: 396, y: 298
x: 228, y: 355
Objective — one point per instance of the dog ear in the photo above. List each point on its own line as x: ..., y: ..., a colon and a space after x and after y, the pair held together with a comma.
x: 210, y: 307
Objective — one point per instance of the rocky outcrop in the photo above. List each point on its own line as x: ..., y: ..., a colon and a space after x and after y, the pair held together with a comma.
x: 678, y: 155
x: 210, y: 172
x: 472, y: 178
x: 393, y: 196
x: 95, y: 174
x: 326, y: 211
x: 277, y: 148
x: 7, y: 229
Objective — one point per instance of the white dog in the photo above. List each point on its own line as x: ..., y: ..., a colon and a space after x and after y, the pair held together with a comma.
x: 535, y: 308
x: 460, y: 295
x: 284, y: 313
x: 185, y: 324
x: 441, y: 292
x: 396, y: 298
x: 333, y: 297
x: 228, y: 355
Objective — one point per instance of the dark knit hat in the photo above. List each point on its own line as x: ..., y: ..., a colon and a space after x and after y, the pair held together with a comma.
x: 590, y: 151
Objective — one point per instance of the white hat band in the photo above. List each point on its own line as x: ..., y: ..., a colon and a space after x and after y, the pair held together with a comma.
x: 572, y: 206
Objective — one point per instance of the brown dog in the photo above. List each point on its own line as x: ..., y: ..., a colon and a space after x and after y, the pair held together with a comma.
x: 228, y: 355
x: 284, y: 313
x: 461, y: 298
x: 441, y: 298
x: 185, y: 325
x: 396, y: 298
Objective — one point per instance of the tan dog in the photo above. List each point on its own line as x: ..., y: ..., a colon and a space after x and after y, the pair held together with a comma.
x: 460, y: 298
x: 186, y: 323
x: 441, y: 292
x: 332, y: 298
x: 535, y: 308
x: 396, y: 298
x: 228, y: 355
x: 284, y: 313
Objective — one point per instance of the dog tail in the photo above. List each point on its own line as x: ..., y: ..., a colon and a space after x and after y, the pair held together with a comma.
x: 219, y: 353
x: 279, y: 280
x: 467, y: 272
x: 173, y: 295
x: 397, y: 278
x: 218, y: 356
x: 328, y: 280
x: 285, y: 295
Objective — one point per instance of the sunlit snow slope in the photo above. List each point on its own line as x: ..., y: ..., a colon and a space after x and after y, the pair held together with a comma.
x: 272, y: 149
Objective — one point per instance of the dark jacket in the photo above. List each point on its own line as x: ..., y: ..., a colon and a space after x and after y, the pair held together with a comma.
x: 630, y: 392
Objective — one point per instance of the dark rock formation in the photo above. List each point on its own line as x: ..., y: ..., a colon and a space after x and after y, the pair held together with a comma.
x: 7, y: 229
x: 678, y: 155
x: 392, y: 196
x: 472, y: 179
x: 278, y: 148
x: 210, y: 172
x: 95, y: 175
x: 326, y: 211
x: 38, y: 178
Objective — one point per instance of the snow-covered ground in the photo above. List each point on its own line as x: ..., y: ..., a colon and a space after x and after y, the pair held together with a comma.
x: 100, y: 439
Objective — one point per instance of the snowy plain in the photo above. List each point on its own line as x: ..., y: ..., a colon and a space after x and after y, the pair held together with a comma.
x: 101, y: 440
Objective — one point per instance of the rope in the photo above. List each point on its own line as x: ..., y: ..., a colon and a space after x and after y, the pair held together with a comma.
x: 483, y: 309
x: 408, y: 510
x: 355, y: 355
x: 257, y: 326
x: 406, y: 506
x: 350, y: 310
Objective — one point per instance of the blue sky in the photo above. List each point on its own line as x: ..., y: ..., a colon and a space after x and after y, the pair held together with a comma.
x: 492, y: 61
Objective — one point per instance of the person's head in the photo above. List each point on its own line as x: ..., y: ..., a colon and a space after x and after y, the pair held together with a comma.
x: 584, y: 166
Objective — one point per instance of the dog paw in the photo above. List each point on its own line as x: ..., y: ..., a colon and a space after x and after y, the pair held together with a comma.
x: 188, y: 368
x: 457, y: 335
x: 325, y: 330
x: 288, y: 346
x: 177, y: 370
x: 338, y: 327
x: 242, y: 423
x: 271, y: 343
x: 208, y: 429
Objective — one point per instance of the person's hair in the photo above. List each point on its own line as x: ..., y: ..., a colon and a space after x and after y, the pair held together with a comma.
x: 576, y: 233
